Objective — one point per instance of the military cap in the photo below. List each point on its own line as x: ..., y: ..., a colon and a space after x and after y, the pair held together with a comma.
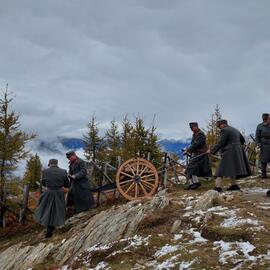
x: 265, y: 116
x: 70, y: 153
x: 53, y: 161
x: 193, y: 124
x: 222, y: 122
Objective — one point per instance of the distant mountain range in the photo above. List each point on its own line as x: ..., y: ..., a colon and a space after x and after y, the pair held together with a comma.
x: 60, y: 145
x: 172, y: 146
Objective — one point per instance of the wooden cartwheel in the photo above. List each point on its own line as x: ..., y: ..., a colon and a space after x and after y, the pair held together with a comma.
x: 137, y: 178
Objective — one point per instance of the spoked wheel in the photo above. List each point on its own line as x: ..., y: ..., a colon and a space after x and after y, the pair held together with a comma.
x: 137, y: 178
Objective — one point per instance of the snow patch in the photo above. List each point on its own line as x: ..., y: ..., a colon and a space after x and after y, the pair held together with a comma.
x: 229, y: 250
x: 185, y: 265
x: 177, y: 237
x: 235, y: 222
x: 166, y: 250
x: 197, y: 237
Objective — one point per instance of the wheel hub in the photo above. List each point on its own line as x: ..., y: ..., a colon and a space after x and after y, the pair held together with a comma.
x: 137, y: 179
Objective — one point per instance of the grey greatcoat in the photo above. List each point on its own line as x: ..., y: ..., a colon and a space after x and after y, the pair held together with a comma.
x: 234, y: 162
x: 263, y: 141
x: 199, y: 164
x: 80, y: 194
x: 51, y: 209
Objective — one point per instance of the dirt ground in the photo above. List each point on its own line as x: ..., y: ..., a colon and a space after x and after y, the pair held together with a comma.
x: 232, y: 235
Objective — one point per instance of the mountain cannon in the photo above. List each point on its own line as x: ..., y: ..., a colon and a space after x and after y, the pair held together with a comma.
x: 137, y: 178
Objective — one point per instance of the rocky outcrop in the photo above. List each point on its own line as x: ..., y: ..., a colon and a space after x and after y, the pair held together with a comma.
x: 103, y: 228
x: 209, y: 199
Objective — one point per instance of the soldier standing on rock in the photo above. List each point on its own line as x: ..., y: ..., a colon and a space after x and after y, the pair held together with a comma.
x: 199, y: 165
x: 234, y: 163
x: 51, y: 209
x: 80, y: 194
x: 263, y: 141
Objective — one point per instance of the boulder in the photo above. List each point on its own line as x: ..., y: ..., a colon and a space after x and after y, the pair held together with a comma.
x: 210, y: 199
x: 106, y: 227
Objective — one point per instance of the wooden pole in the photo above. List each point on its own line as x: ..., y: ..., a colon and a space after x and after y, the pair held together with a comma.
x: 165, y: 174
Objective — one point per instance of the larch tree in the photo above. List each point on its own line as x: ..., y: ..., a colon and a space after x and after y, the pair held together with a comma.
x: 12, y: 146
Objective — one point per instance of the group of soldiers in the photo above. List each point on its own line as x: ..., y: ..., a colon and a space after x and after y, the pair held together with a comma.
x: 234, y: 164
x: 51, y: 209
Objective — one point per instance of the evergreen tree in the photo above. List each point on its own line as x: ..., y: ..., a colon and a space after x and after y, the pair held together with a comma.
x: 140, y: 136
x: 212, y: 132
x: 127, y: 142
x: 152, y: 145
x: 33, y: 172
x: 113, y: 142
x: 12, y: 145
x: 93, y: 143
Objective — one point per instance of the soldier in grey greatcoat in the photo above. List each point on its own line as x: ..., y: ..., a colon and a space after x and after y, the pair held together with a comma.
x: 263, y: 141
x: 51, y: 209
x: 234, y: 163
x: 79, y: 194
x: 199, y: 165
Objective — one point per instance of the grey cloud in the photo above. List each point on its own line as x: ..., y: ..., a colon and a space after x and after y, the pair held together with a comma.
x: 174, y: 59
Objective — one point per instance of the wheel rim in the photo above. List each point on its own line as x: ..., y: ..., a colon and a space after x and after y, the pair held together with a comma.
x: 137, y: 178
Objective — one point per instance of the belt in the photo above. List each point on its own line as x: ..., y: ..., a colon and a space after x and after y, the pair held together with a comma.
x: 55, y: 188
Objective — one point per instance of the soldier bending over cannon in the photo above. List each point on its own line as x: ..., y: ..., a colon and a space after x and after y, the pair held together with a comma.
x: 79, y: 194
x: 199, y: 165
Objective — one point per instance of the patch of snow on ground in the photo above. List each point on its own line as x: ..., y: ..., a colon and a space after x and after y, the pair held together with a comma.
x: 255, y: 190
x: 101, y: 265
x: 137, y: 241
x: 197, y: 237
x: 177, y: 237
x: 185, y: 265
x: 166, y: 250
x: 217, y: 209
x: 167, y: 264
x: 233, y: 222
x: 99, y: 247
x: 231, y: 249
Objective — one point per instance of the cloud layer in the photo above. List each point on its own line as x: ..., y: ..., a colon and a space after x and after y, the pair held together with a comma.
x: 66, y: 60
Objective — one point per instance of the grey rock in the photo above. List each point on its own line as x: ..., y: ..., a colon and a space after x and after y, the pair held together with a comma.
x: 210, y: 199
x: 176, y: 225
x: 103, y: 228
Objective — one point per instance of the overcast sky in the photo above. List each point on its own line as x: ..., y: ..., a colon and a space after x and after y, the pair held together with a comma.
x: 65, y: 60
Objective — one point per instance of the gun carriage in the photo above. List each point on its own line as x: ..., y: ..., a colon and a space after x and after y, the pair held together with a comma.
x: 138, y: 178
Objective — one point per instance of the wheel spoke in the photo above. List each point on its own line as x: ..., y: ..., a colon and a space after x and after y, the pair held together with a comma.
x: 131, y: 169
x: 143, y: 189
x: 136, y: 191
x: 148, y: 175
x: 142, y: 172
x: 150, y: 188
x: 125, y: 182
x: 130, y: 188
x: 146, y: 182
x: 126, y: 174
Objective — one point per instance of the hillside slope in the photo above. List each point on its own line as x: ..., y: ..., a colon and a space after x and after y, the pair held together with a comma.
x: 175, y: 230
